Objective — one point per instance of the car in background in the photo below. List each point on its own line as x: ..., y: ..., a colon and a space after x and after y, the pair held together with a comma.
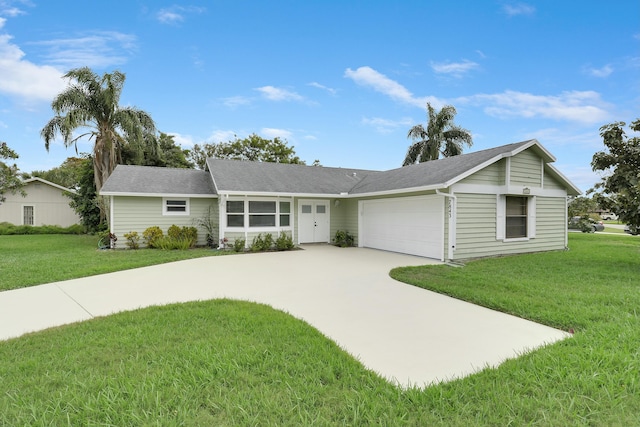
x: 586, y: 225
x: 631, y: 230
x: 608, y: 216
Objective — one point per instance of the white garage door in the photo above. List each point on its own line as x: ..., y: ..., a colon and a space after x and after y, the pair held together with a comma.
x: 410, y: 225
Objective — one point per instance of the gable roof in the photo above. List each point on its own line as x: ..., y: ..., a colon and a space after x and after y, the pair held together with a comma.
x: 237, y: 176
x: 49, y: 183
x: 245, y: 177
x: 127, y: 180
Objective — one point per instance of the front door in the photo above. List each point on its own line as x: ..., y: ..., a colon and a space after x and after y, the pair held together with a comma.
x: 313, y: 221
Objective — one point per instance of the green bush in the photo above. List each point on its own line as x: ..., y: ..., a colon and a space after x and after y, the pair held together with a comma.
x: 151, y: 236
x: 261, y: 244
x: 171, y: 243
x: 7, y: 228
x: 284, y: 242
x: 174, y: 232
x: 343, y: 239
x: 238, y: 245
x: 133, y: 239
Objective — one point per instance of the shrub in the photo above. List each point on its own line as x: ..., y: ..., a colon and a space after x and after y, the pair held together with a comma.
x: 133, y: 239
x: 174, y: 232
x: 284, y: 242
x: 238, y: 245
x: 10, y: 229
x: 151, y: 236
x: 170, y: 243
x: 261, y: 244
x: 191, y: 234
x: 343, y: 239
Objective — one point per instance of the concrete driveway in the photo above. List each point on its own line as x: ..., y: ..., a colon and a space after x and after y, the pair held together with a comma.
x: 408, y: 335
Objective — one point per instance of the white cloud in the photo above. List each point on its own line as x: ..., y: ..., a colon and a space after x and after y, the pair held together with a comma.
x: 455, y: 69
x: 367, y: 76
x: 185, y: 141
x: 7, y: 8
x: 578, y: 106
x: 236, y: 101
x: 24, y: 79
x: 176, y: 14
x: 515, y: 9
x: 271, y: 133
x: 98, y: 49
x: 385, y: 125
x: 600, y: 72
x: 278, y: 94
x: 222, y: 136
x: 319, y: 86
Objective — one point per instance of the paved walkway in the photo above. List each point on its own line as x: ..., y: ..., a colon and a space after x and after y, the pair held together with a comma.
x: 408, y: 335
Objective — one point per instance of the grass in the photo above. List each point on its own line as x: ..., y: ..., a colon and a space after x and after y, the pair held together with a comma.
x: 27, y: 260
x: 236, y: 363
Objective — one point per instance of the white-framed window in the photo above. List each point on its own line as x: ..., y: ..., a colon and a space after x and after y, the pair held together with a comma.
x: 258, y: 214
x: 516, y: 217
x: 28, y: 215
x: 175, y: 206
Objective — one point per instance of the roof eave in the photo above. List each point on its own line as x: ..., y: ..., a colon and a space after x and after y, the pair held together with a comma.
x: 134, y: 194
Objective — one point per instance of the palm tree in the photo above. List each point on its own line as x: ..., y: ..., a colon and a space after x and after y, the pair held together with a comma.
x: 441, y: 136
x: 91, y: 102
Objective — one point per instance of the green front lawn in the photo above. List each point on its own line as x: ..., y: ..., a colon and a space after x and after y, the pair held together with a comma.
x: 27, y: 260
x: 237, y: 363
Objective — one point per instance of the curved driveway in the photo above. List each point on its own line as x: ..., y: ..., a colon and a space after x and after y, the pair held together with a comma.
x: 408, y: 335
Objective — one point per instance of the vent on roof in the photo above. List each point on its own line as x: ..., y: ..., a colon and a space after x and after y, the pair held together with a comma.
x: 354, y: 174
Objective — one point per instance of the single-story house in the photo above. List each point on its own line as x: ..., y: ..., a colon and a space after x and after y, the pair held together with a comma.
x: 44, y: 204
x: 503, y: 200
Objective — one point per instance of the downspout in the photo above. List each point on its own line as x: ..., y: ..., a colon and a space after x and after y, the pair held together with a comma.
x: 452, y: 223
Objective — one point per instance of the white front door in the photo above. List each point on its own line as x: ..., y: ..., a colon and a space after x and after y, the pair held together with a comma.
x: 313, y: 221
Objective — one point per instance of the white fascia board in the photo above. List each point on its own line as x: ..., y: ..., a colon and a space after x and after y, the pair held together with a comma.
x: 549, y: 157
x: 276, y: 194
x: 44, y: 181
x: 506, y: 189
x: 181, y: 195
x: 397, y: 191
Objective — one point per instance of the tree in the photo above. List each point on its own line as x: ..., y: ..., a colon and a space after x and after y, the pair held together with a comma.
x: 67, y: 174
x: 10, y: 181
x: 91, y: 102
x: 441, y: 137
x: 253, y: 148
x: 581, y: 206
x: 620, y: 190
x: 160, y: 151
x: 85, y: 201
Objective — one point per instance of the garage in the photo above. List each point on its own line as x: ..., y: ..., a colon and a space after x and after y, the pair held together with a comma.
x: 409, y: 225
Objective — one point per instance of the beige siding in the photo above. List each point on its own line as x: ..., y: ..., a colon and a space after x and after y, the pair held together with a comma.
x: 476, y: 227
x: 526, y: 169
x: 493, y: 174
x: 551, y: 183
x: 50, y: 206
x: 344, y: 217
x: 140, y: 213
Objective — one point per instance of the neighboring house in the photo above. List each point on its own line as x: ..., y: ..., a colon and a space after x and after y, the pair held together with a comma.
x: 44, y: 204
x: 504, y: 200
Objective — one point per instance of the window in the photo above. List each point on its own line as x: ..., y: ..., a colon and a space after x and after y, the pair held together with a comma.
x: 258, y: 213
x: 262, y: 214
x: 285, y: 214
x: 516, y: 217
x: 28, y: 215
x: 235, y: 213
x: 175, y: 207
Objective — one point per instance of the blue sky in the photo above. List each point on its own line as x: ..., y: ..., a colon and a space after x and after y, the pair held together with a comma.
x: 342, y: 81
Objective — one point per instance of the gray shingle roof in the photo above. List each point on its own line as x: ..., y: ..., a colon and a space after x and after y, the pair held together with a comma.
x: 435, y: 173
x: 155, y: 180
x: 263, y: 177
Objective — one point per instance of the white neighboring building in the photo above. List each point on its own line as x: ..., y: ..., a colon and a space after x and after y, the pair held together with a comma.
x: 44, y: 204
